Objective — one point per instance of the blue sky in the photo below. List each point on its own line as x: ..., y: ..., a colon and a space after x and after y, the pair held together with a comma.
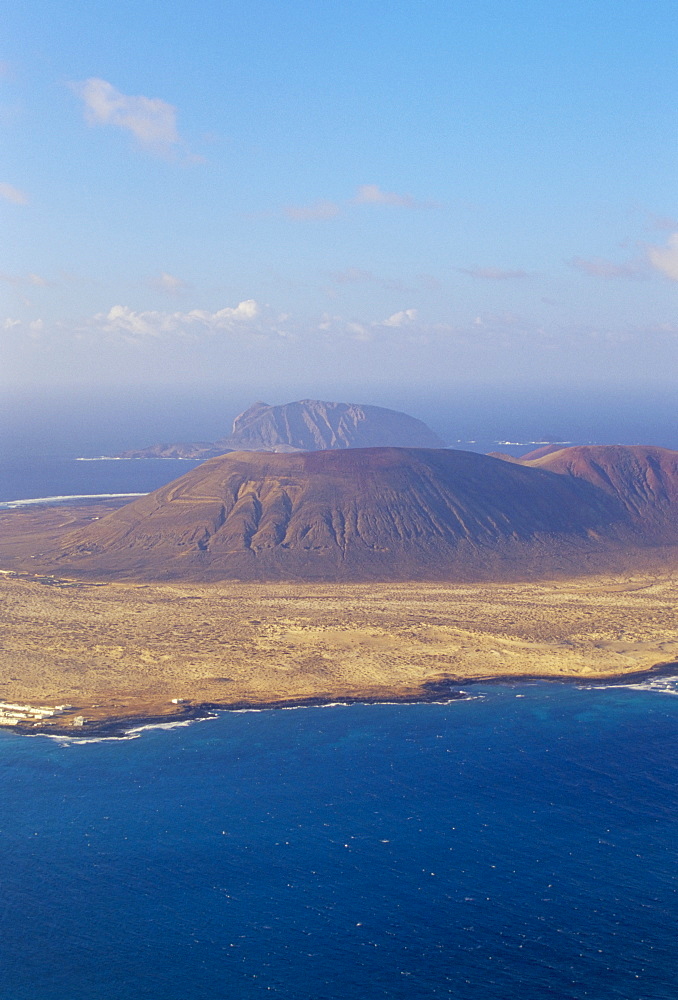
x: 319, y: 194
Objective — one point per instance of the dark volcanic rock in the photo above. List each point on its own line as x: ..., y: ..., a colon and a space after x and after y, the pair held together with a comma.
x: 385, y: 513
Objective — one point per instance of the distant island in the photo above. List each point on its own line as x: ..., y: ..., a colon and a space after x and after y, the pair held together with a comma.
x: 306, y: 425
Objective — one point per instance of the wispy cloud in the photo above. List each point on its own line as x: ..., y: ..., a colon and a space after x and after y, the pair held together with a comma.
x: 353, y: 275
x: 13, y: 194
x: 367, y: 194
x: 169, y: 283
x: 152, y: 121
x: 318, y: 210
x: 372, y: 194
x: 665, y: 259
x: 493, y: 273
x: 599, y: 267
x: 362, y: 276
x: 36, y: 280
x: 22, y: 283
x: 665, y: 222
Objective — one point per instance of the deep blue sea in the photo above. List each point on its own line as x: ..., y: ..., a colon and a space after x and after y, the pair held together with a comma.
x: 519, y: 844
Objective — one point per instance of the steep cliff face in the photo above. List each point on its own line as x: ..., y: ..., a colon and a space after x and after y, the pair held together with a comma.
x: 313, y: 425
x: 307, y: 425
x: 383, y: 513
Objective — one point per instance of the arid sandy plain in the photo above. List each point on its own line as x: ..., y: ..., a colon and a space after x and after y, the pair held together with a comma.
x: 125, y: 650
x: 120, y: 650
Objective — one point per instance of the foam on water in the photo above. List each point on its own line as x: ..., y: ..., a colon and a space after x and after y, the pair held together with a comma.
x: 656, y: 685
x: 9, y: 504
x: 133, y: 733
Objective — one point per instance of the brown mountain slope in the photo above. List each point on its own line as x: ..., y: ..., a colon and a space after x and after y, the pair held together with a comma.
x: 358, y: 515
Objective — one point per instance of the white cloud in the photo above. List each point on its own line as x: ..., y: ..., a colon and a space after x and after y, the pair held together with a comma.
x: 599, y: 267
x: 402, y: 318
x: 318, y: 210
x: 371, y: 194
x: 358, y: 331
x: 121, y: 320
x: 493, y: 273
x: 169, y: 283
x: 665, y: 259
x: 152, y: 121
x: 244, y: 310
x: 13, y: 194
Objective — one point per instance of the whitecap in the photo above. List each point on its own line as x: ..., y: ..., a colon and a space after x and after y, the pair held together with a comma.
x: 656, y: 685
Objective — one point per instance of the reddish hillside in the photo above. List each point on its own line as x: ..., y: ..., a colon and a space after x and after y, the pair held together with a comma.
x: 544, y: 449
x: 644, y: 479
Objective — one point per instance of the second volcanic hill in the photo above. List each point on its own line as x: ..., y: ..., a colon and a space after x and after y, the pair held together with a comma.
x: 642, y: 478
x: 378, y: 513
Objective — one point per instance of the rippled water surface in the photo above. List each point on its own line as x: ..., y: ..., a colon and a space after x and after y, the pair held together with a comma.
x: 520, y: 844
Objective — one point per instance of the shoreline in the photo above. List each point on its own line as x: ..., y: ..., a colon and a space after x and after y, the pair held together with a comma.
x: 122, y: 655
x: 442, y: 691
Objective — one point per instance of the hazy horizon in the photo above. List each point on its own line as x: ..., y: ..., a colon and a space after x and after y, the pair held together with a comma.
x: 95, y: 420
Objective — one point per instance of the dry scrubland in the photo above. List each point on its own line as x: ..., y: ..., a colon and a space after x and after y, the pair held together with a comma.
x: 119, y: 649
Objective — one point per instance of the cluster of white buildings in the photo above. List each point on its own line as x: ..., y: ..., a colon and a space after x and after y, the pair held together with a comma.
x: 11, y: 715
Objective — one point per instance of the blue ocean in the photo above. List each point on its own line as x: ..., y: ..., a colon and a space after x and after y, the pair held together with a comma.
x: 518, y: 844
